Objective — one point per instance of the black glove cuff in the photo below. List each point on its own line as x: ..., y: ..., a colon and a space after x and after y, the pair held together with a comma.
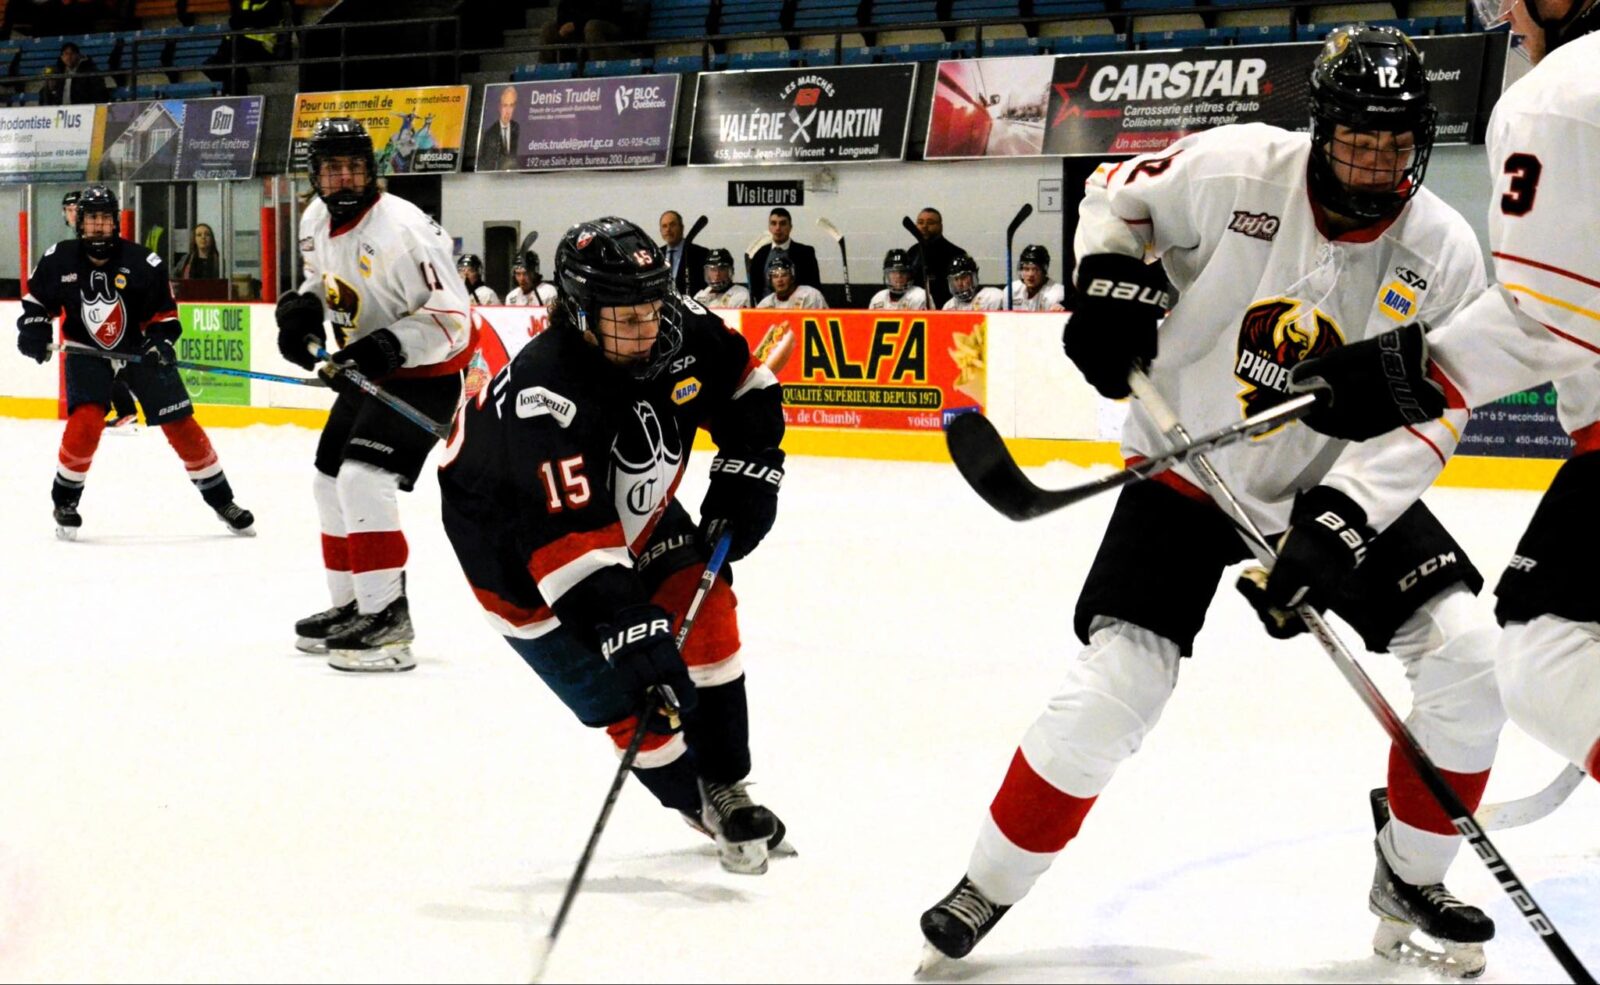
x: 1332, y: 514
x: 167, y: 331
x: 633, y: 627
x: 1118, y: 277
x: 763, y: 467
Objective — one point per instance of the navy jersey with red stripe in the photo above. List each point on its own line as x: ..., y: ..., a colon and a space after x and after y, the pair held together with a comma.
x: 109, y: 307
x: 559, y: 468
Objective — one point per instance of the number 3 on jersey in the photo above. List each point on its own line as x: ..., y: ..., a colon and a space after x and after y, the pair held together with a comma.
x: 1524, y: 170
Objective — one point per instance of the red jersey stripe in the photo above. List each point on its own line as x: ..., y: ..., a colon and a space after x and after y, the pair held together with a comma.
x: 1546, y: 266
x: 554, y: 556
x: 1424, y: 439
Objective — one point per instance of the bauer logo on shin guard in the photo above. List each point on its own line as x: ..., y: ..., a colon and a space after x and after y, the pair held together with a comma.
x: 637, y: 633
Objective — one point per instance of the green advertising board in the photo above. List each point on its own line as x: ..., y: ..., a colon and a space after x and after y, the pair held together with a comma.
x: 218, y: 334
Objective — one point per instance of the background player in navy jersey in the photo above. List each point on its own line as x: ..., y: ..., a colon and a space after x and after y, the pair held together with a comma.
x: 558, y: 495
x: 116, y: 298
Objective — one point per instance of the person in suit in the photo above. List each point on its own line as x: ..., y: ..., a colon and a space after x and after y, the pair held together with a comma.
x: 687, y: 259
x: 803, y: 257
x: 499, y: 144
x: 930, y: 259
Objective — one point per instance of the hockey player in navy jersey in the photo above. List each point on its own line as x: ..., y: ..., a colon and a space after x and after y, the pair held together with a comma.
x: 1284, y: 246
x: 117, y: 298
x: 559, y: 489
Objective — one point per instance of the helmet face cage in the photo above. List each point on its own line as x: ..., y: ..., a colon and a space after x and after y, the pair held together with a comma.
x: 98, y: 200
x: 963, y: 277
x: 611, y: 263
x: 468, y: 263
x: 897, y: 271
x: 779, y: 263
x: 719, y: 270
x: 1372, y: 122
x: 1036, y: 256
x: 341, y: 136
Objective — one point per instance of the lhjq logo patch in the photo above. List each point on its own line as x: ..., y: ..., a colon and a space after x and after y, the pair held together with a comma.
x: 1274, y: 337
x: 685, y: 390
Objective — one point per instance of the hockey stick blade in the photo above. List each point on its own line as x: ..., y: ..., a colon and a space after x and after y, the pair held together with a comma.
x: 980, y: 454
x: 694, y: 230
x: 911, y: 227
x: 1021, y: 217
x: 832, y: 230
x: 1526, y: 810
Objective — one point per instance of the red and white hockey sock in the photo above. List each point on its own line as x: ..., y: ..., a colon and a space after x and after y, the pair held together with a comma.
x: 1420, y: 842
x: 78, y: 443
x: 1029, y: 822
x: 189, y: 440
x: 335, y: 548
x: 712, y: 650
x: 369, y: 500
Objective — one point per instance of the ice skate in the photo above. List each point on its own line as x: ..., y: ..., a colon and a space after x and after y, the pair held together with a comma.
x: 744, y: 830
x: 955, y: 925
x: 377, y: 642
x: 777, y: 845
x: 67, y: 522
x: 125, y: 425
x: 238, y: 519
x: 1424, y: 926
x: 312, y: 632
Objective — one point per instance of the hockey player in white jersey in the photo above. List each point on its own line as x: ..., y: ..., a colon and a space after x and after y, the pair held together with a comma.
x: 531, y: 288
x: 786, y: 291
x: 720, y: 290
x: 965, y: 294
x: 1540, y: 323
x: 898, y: 294
x: 470, y: 267
x: 1283, y: 246
x: 379, y: 270
x: 1033, y: 290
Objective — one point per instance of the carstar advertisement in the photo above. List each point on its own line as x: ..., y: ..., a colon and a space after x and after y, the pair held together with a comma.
x: 621, y: 122
x: 893, y: 370
x: 1139, y: 102
x: 414, y: 131
x: 802, y: 116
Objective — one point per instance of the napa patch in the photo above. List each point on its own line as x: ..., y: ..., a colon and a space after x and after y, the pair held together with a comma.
x: 685, y: 390
x: 1398, y: 301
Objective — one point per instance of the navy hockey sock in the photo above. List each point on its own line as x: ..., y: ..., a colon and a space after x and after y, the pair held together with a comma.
x: 718, y: 732
x: 673, y: 784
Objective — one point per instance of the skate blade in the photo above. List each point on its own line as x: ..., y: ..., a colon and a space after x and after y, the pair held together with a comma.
x: 1402, y: 943
x: 306, y: 644
x: 249, y: 531
x: 66, y: 533
x: 383, y: 660
x: 746, y: 858
x: 933, y: 960
x: 782, y: 850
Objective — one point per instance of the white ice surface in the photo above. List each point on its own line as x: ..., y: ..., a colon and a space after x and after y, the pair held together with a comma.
x: 183, y: 797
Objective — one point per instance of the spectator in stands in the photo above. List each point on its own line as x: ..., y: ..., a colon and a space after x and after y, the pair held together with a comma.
x: 203, y: 259
x: 802, y: 257
x: 73, y: 80
x: 594, y: 22
x: 688, y: 260
x: 499, y: 146
x: 262, y: 20
x: 930, y: 259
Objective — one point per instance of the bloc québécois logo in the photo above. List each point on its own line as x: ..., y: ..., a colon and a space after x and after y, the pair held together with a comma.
x: 1275, y: 336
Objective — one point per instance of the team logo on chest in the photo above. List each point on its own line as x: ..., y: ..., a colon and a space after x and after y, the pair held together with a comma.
x: 344, y: 306
x: 102, y: 310
x: 1274, y: 337
x: 646, y: 460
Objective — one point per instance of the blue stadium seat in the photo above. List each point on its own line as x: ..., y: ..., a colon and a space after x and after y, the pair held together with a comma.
x: 616, y: 66
x: 669, y: 64
x: 679, y: 18
x: 858, y: 56
x: 814, y: 15
x: 983, y: 10
x: 926, y: 52
x: 192, y: 46
x: 750, y: 17
x: 1193, y: 38
x: 535, y: 73
x: 760, y: 59
x: 1051, y: 8
x: 190, y: 90
x: 902, y: 11
x: 818, y: 57
x: 1016, y: 46
x: 1264, y: 34
x: 1159, y: 4
x: 1454, y: 24
x: 1083, y: 44
x: 147, y: 48
x: 38, y: 54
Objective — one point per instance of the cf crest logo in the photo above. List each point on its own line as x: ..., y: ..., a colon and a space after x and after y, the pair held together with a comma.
x: 1276, y: 336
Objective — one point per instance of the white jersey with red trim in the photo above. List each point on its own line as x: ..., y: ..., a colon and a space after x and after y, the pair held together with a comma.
x: 390, y: 267
x: 1262, y: 287
x: 1541, y: 322
x: 482, y: 294
x: 803, y: 296
x: 732, y: 296
x: 1051, y: 297
x: 910, y: 299
x: 984, y: 299
x: 543, y: 295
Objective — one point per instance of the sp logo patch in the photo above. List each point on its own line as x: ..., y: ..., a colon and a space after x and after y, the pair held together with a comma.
x: 1275, y: 336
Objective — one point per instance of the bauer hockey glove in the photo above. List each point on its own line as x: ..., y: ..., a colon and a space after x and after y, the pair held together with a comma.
x: 1113, y: 325
x: 1371, y: 387
x: 300, y: 324
x: 1327, y: 537
x: 374, y: 356
x: 742, y: 498
x: 158, y: 347
x: 35, y: 328
x: 639, y: 646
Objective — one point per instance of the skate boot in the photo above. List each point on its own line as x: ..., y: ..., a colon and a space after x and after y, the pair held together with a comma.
x: 312, y: 632
x: 67, y: 522
x: 745, y: 831
x: 1451, y: 933
x: 239, y: 520
x: 776, y: 845
x: 374, y: 642
x: 955, y: 925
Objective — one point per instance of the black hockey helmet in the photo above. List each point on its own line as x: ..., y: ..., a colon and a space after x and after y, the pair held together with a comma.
x: 897, y: 261
x: 963, y: 266
x: 99, y: 200
x: 341, y: 136
x: 68, y: 201
x: 1037, y: 255
x: 528, y: 261
x: 719, y: 262
x: 610, y: 262
x: 1369, y: 80
x: 719, y: 257
x: 470, y: 261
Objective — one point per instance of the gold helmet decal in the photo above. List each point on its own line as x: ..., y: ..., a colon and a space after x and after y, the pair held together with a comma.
x: 344, y: 306
x: 1274, y: 337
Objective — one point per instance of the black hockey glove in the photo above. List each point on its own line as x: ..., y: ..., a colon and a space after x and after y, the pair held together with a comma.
x: 374, y: 356
x: 1327, y: 537
x: 1112, y: 328
x: 35, y: 328
x: 300, y: 324
x: 743, y: 498
x: 158, y: 347
x: 1373, y: 386
x: 639, y: 646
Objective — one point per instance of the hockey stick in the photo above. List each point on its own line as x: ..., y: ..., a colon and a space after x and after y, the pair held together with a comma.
x: 844, y: 257
x: 984, y: 461
x: 381, y: 395
x: 541, y: 955
x: 916, y: 234
x: 249, y: 374
x: 1526, y: 810
x: 694, y: 230
x: 1011, y: 234
x: 1399, y: 734
x: 528, y: 241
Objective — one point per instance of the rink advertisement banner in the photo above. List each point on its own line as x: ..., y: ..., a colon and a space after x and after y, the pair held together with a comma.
x: 218, y: 334
x: 48, y: 144
x: 175, y: 139
x: 414, y: 131
x: 570, y: 124
x: 802, y: 116
x: 1523, y: 425
x: 893, y: 370
x: 1139, y: 102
